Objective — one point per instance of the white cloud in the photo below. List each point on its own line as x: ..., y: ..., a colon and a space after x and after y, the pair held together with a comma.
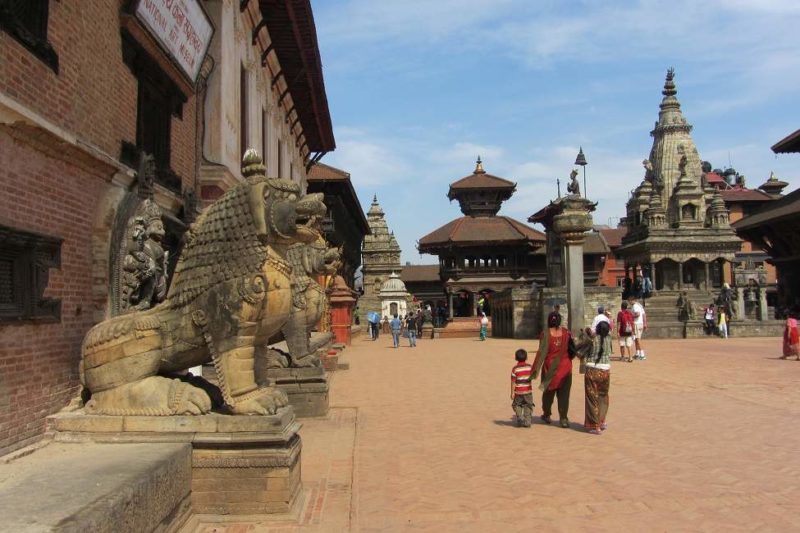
x: 370, y: 160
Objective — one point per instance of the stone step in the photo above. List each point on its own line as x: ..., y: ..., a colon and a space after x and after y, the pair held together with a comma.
x: 97, y: 487
x: 674, y: 329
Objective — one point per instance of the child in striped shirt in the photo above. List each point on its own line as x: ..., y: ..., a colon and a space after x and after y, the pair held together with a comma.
x: 521, y: 389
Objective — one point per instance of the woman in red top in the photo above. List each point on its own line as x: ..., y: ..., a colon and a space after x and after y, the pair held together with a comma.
x: 554, y: 360
x: 791, y: 339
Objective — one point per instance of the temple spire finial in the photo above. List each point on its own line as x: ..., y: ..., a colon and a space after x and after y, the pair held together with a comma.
x: 374, y: 198
x: 669, y: 83
x: 479, y: 167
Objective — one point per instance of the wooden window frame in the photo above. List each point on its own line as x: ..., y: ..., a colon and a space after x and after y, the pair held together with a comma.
x: 26, y: 21
x: 28, y: 257
x: 158, y: 101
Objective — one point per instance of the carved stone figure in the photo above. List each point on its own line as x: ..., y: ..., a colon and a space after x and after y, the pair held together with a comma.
x: 725, y: 299
x: 683, y: 160
x: 685, y: 307
x: 574, y: 187
x: 144, y: 282
x: 230, y: 292
x: 308, y: 301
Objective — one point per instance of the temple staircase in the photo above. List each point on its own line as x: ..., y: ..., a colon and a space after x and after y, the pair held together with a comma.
x: 462, y: 327
x: 663, y: 318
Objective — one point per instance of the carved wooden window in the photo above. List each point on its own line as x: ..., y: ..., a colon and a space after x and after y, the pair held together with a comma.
x: 25, y: 261
x: 158, y: 100
x: 153, y: 121
x: 26, y: 21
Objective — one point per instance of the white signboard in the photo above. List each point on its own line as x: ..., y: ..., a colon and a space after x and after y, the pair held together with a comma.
x: 181, y: 27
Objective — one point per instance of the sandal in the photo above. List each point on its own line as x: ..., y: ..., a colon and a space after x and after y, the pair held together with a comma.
x: 546, y: 419
x: 564, y: 422
x: 595, y: 432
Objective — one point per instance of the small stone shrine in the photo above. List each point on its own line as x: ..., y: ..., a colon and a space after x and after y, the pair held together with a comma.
x: 235, y: 286
x: 394, y: 297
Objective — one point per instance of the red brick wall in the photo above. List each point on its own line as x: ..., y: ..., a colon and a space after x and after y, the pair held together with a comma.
x: 39, y: 362
x: 94, y: 98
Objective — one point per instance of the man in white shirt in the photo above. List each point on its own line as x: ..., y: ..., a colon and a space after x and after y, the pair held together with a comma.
x: 639, y: 327
x: 601, y: 317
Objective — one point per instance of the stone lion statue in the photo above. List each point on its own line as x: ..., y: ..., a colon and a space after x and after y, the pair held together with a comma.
x: 308, y: 299
x: 230, y: 292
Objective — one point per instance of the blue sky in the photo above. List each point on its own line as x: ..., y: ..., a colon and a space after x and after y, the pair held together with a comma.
x: 418, y: 88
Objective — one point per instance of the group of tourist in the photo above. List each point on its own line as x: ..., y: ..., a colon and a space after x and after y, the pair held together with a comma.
x: 408, y: 326
x: 553, y: 364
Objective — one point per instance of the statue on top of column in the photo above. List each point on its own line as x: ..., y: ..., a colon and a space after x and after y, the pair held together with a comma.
x: 574, y: 187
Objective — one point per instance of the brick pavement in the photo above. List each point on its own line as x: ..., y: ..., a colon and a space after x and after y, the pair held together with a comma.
x: 702, y: 437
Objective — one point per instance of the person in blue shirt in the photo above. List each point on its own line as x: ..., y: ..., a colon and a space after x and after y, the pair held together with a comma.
x: 395, y: 325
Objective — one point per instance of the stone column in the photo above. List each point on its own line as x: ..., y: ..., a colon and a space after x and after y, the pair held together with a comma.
x: 708, y: 276
x: 571, y: 224
x: 740, y: 304
x: 680, y: 275
x: 762, y: 304
x: 450, y: 307
x: 653, y: 276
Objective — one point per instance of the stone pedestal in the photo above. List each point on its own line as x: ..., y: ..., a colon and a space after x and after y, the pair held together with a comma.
x: 571, y: 225
x: 307, y: 388
x: 240, y: 464
x: 763, y: 311
x: 742, y: 311
x: 427, y: 331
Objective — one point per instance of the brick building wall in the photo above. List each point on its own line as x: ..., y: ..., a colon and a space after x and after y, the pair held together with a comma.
x: 60, y: 176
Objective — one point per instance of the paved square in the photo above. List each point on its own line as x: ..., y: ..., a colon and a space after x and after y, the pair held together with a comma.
x: 703, y: 436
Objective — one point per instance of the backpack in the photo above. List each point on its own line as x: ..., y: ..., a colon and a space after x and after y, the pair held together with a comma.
x: 625, y: 323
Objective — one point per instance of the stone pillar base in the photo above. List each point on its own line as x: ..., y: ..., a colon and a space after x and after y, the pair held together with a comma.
x: 240, y: 464
x: 427, y: 331
x: 307, y: 388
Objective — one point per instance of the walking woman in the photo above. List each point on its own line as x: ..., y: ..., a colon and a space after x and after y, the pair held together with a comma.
x: 791, y: 339
x: 597, y: 379
x: 554, y: 361
x: 484, y: 326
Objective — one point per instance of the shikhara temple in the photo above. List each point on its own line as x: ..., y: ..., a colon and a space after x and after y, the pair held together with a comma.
x: 483, y: 252
x: 679, y: 228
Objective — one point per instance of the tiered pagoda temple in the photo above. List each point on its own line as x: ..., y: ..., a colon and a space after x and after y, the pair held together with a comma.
x: 483, y: 252
x: 679, y: 230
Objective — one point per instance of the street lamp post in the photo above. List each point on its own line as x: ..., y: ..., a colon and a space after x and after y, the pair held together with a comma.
x: 581, y: 160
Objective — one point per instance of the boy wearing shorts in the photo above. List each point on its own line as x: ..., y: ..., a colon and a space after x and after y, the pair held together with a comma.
x: 521, y: 389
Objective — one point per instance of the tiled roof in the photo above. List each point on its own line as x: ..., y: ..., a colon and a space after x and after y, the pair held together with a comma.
x: 321, y: 171
x: 744, y: 195
x: 480, y: 230
x: 713, y: 177
x: 412, y: 273
x: 595, y: 244
x: 482, y: 181
x: 787, y: 206
x: 613, y: 236
x: 293, y: 33
x: 790, y: 143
